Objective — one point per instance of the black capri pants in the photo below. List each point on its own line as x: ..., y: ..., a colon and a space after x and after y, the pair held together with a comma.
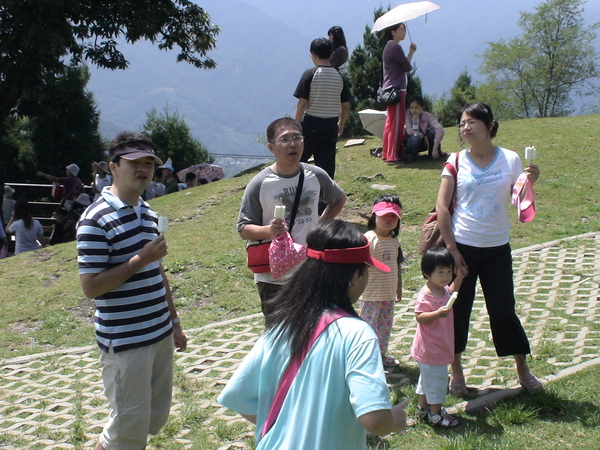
x: 493, y: 267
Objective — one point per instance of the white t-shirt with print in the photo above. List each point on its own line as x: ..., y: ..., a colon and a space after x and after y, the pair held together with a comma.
x: 481, y: 217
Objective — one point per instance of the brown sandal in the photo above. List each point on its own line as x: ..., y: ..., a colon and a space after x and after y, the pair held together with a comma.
x: 531, y: 384
x: 458, y: 388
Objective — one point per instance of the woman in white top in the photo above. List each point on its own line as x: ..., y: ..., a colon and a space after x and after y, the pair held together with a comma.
x: 477, y: 235
x: 28, y: 231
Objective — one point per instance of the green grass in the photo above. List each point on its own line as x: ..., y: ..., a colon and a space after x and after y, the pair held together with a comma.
x: 43, y: 308
x: 566, y: 415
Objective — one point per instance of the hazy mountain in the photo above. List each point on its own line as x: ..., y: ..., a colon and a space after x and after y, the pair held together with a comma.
x: 261, y: 52
x: 259, y: 64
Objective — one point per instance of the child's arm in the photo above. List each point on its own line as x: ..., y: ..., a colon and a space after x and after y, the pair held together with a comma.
x: 460, y: 276
x: 432, y: 316
x: 399, y: 287
x: 385, y: 421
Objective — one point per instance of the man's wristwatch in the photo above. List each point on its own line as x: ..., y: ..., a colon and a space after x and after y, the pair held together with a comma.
x: 176, y: 320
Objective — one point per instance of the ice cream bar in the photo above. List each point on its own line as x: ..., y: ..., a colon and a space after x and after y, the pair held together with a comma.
x: 279, y: 211
x: 530, y: 153
x: 163, y: 224
x: 452, y: 300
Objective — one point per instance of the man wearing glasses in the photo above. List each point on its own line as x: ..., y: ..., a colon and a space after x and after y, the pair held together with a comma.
x: 323, y: 104
x: 276, y: 185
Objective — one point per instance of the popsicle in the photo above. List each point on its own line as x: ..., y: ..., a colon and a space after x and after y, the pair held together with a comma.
x: 163, y: 224
x: 279, y: 212
x: 530, y: 153
x: 452, y: 300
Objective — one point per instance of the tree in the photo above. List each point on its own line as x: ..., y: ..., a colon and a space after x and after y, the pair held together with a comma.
x: 553, y: 59
x: 18, y: 154
x: 364, y: 76
x: 461, y: 94
x: 38, y: 36
x: 70, y: 136
x: 172, y: 139
x: 62, y: 130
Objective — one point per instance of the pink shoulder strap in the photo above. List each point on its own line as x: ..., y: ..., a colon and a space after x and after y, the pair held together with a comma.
x: 292, y: 369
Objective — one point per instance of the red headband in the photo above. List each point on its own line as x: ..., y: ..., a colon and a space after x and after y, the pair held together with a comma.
x: 355, y: 255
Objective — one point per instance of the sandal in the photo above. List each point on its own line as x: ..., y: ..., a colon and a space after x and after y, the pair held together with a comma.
x: 531, y: 384
x: 422, y: 413
x: 458, y: 388
x: 443, y: 419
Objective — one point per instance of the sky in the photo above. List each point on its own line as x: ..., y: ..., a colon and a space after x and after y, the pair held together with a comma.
x: 448, y: 39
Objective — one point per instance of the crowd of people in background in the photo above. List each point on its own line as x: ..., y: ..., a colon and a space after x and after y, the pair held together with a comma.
x: 73, y: 198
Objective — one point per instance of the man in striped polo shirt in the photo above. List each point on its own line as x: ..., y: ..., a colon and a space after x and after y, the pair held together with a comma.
x: 119, y: 258
x: 323, y: 105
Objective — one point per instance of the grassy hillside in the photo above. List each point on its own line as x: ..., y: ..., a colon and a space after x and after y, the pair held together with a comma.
x: 44, y: 309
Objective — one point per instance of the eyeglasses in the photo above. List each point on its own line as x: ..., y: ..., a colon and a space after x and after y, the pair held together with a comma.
x: 470, y: 122
x: 289, y: 140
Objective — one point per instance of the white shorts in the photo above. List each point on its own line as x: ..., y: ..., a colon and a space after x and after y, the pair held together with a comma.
x: 433, y: 383
x: 138, y: 384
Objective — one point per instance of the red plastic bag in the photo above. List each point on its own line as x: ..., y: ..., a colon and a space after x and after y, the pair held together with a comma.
x: 57, y: 191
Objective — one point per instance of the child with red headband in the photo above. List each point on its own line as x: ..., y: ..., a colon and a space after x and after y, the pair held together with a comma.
x: 384, y: 289
x: 338, y: 391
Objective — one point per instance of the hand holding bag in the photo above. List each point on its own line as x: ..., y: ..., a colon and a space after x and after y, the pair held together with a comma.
x: 431, y: 236
x: 258, y: 254
x: 285, y: 254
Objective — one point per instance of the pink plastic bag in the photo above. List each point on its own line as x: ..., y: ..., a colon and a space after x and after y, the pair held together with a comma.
x: 285, y: 254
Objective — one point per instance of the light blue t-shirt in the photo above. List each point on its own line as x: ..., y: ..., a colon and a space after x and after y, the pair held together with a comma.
x: 341, y: 379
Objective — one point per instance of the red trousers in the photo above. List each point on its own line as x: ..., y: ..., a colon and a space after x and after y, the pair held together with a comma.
x: 393, y: 133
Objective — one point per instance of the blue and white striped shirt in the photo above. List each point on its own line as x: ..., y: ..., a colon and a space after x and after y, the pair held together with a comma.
x: 136, y: 313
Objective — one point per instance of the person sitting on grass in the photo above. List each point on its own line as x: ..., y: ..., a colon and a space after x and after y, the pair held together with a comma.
x: 422, y: 131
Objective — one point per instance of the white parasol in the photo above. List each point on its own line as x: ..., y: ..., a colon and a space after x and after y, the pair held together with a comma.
x: 402, y: 13
x: 373, y: 121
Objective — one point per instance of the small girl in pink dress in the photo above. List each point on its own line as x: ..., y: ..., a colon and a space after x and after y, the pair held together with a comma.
x: 433, y: 345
